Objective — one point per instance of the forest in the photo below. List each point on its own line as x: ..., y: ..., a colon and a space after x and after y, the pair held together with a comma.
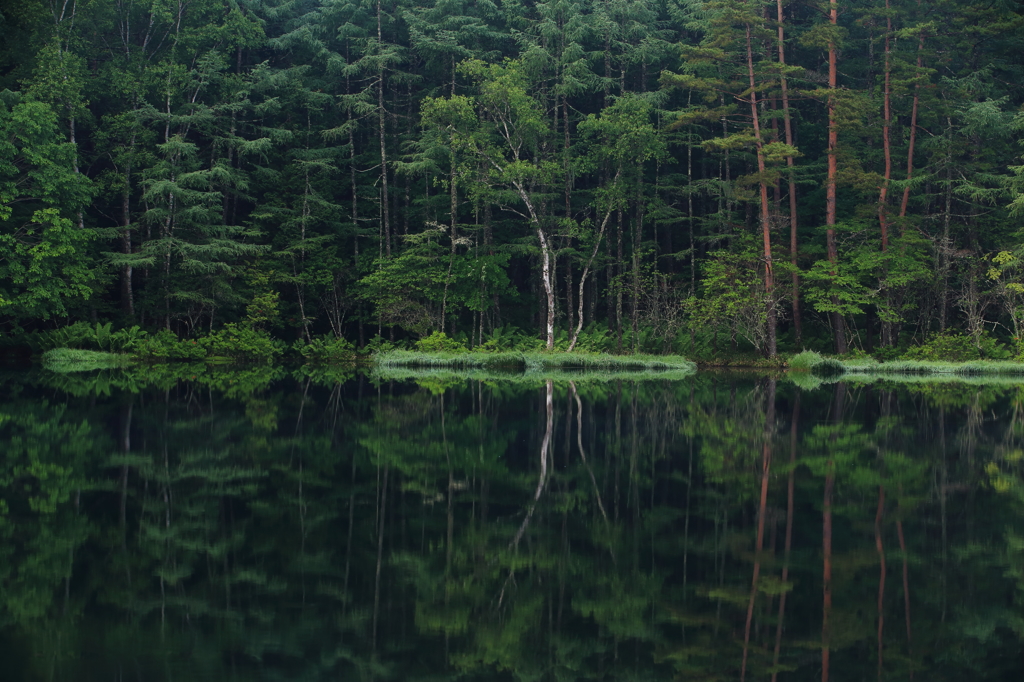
x: 620, y: 175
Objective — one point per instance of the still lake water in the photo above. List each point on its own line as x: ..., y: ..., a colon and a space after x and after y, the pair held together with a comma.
x: 205, y: 524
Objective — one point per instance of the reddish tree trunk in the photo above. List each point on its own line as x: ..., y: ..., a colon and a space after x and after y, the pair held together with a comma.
x: 881, y: 573
x: 797, y: 325
x: 883, y: 219
x: 838, y: 322
x: 762, y: 511
x: 766, y: 221
x: 906, y: 585
x: 790, y: 489
x: 913, y: 129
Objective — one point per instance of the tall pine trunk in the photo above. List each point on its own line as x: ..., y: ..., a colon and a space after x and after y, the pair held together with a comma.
x: 883, y: 192
x: 385, y: 226
x: 913, y: 128
x: 770, y: 349
x: 788, y: 124
x: 838, y: 322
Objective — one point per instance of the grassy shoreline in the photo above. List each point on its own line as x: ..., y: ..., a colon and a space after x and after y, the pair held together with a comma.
x: 532, y: 361
x: 79, y: 360
x: 533, y: 365
x: 821, y: 366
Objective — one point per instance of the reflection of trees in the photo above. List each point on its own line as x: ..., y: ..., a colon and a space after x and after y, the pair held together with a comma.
x: 551, y: 531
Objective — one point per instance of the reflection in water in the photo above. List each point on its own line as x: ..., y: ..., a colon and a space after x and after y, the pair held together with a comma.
x: 253, y: 527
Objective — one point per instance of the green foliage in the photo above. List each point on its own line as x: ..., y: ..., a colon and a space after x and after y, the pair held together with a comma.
x: 46, y: 265
x: 165, y: 345
x: 78, y: 360
x: 734, y: 293
x: 503, y: 339
x: 263, y: 310
x: 827, y: 367
x: 241, y: 343
x: 438, y: 342
x: 594, y: 338
x: 325, y: 168
x: 326, y: 350
x: 531, y: 362
x: 954, y: 347
x: 804, y: 361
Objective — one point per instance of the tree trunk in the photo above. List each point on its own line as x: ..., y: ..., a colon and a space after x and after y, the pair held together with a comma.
x: 913, y: 128
x: 770, y: 349
x: 766, y: 466
x: 586, y: 269
x: 838, y: 323
x: 382, y: 134
x: 788, y: 121
x: 790, y: 490
x: 883, y: 218
x: 883, y: 192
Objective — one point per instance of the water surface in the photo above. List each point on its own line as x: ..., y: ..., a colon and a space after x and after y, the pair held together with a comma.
x: 208, y: 524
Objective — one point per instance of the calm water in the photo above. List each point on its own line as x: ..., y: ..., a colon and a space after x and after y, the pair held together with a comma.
x: 192, y: 524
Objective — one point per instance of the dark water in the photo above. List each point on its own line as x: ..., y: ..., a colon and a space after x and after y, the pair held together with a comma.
x: 192, y: 524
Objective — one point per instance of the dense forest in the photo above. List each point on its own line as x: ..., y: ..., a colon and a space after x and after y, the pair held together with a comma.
x: 623, y: 174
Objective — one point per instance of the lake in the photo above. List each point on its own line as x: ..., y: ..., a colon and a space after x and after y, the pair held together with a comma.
x: 203, y: 523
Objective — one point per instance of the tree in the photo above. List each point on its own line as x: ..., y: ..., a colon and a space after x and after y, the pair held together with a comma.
x: 45, y: 265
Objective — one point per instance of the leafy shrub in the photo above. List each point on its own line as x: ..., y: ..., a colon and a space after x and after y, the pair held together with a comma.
x: 858, y: 358
x: 958, y: 348
x: 595, y: 338
x: 127, y: 339
x: 378, y: 344
x: 240, y: 342
x: 805, y: 361
x: 510, y: 338
x: 327, y: 350
x: 828, y: 367
x: 438, y: 342
x: 165, y: 345
x: 77, y: 335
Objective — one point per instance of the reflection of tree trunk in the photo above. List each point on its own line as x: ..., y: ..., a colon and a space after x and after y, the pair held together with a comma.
x: 126, y: 448
x: 380, y: 553
x: 943, y: 487
x: 881, y: 573
x: 449, y: 495
x: 826, y: 572
x: 583, y: 455
x: 351, y: 517
x: 906, y: 584
x: 766, y: 464
x: 544, y: 446
x: 686, y: 523
x: 793, y: 431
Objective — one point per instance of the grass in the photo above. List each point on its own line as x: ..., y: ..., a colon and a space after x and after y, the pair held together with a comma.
x: 997, y: 380
x: 534, y: 361
x: 529, y: 366
x: 530, y: 376
x: 818, y: 365
x: 78, y: 360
